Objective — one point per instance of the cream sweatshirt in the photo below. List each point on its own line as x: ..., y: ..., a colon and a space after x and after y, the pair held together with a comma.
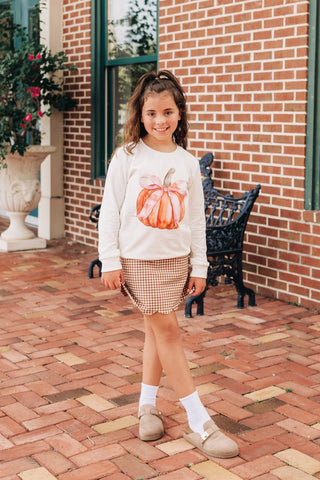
x: 153, y: 208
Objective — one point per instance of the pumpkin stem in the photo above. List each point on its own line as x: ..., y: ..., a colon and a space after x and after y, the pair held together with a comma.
x: 167, y: 178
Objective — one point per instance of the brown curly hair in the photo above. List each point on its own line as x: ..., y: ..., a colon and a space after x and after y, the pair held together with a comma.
x: 154, y: 82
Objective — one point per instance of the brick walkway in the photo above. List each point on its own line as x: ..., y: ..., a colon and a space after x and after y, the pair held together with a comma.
x: 70, y: 371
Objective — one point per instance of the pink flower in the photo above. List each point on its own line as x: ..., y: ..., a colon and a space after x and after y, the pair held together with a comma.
x: 31, y: 57
x: 38, y: 56
x: 22, y: 125
x: 40, y: 113
x: 28, y: 117
x: 35, y: 91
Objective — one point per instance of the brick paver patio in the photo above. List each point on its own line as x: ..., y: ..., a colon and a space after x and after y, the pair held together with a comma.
x: 70, y: 372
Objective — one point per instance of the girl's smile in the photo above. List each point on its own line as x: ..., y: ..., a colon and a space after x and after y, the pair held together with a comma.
x: 160, y: 116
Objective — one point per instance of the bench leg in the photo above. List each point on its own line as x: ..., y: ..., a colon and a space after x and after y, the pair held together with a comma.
x: 242, y: 291
x: 240, y: 302
x: 91, y: 267
x: 252, y: 298
x: 241, y: 288
x: 198, y: 299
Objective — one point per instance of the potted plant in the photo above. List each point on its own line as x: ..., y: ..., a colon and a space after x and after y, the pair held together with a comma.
x: 31, y: 86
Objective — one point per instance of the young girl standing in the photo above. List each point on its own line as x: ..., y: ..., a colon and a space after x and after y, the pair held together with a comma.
x: 152, y: 245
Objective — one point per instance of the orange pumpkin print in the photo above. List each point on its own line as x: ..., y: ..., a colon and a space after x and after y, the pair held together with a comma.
x: 161, y: 205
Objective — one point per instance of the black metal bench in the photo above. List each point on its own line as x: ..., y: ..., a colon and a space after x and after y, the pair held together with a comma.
x: 226, y: 220
x: 94, y: 217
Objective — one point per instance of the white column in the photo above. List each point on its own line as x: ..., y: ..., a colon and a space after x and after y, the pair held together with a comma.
x: 51, y: 206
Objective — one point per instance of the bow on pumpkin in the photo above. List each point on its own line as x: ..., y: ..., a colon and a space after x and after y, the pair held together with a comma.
x: 161, y: 205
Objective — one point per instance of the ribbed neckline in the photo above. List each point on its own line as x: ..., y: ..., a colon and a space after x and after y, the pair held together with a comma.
x: 157, y: 151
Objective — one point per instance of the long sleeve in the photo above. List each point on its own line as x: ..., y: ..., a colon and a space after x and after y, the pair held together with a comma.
x: 109, y: 218
x: 198, y: 256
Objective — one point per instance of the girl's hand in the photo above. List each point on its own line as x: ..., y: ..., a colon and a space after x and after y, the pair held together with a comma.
x: 196, y: 285
x: 112, y: 280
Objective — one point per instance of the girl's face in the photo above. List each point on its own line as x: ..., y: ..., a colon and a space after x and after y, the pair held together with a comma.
x: 160, y: 116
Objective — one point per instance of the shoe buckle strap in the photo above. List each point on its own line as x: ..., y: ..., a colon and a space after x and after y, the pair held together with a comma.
x: 204, y: 436
x: 207, y: 433
x: 152, y: 411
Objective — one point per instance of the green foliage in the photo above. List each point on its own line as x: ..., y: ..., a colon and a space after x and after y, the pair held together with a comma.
x: 31, y: 84
x: 135, y: 33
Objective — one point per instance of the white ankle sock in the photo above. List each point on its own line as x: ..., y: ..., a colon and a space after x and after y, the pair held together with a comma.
x: 196, y: 412
x: 148, y: 395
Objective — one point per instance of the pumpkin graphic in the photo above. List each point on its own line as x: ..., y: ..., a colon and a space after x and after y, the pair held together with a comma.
x: 161, y: 205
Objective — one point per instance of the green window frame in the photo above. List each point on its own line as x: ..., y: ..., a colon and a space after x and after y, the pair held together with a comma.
x: 106, y: 88
x: 312, y: 179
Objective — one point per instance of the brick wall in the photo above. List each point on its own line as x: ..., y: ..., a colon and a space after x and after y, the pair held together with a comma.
x: 80, y: 192
x: 243, y: 65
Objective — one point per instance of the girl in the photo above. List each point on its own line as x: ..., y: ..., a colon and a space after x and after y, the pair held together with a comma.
x: 152, y: 245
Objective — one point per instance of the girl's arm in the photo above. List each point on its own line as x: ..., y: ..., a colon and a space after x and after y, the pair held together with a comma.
x: 109, y: 218
x: 198, y: 253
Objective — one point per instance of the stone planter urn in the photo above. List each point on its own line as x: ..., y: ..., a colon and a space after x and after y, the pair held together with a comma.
x: 20, y: 192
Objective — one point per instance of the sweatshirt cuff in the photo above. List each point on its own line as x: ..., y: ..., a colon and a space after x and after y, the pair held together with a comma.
x: 199, y: 271
x: 110, y: 264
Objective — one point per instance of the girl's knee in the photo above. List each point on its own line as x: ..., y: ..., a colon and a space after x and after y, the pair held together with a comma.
x: 164, y: 326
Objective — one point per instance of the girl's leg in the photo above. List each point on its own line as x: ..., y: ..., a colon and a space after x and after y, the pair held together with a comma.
x: 168, y: 344
x: 164, y: 348
x: 151, y: 426
x: 203, y: 433
x: 152, y: 368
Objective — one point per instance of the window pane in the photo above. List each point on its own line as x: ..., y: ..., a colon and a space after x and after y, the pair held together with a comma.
x: 34, y: 25
x: 132, y: 28
x: 124, y: 80
x: 6, y: 34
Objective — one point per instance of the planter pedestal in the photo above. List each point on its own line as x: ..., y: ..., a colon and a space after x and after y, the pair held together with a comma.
x: 20, y: 192
x: 35, y: 243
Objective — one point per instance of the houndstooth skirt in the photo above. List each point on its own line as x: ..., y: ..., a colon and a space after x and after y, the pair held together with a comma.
x: 156, y: 285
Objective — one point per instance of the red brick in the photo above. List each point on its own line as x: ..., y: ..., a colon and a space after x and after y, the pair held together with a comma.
x: 46, y: 420
x: 134, y: 467
x: 261, y: 449
x: 54, y: 462
x: 26, y: 450
x: 90, y: 472
x: 98, y: 454
x: 298, y: 414
x: 36, y: 435
x: 16, y: 466
x: 145, y: 451
x: 257, y: 467
x: 9, y: 427
x: 178, y: 461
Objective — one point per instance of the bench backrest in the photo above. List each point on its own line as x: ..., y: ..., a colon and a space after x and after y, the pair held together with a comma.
x: 226, y: 216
